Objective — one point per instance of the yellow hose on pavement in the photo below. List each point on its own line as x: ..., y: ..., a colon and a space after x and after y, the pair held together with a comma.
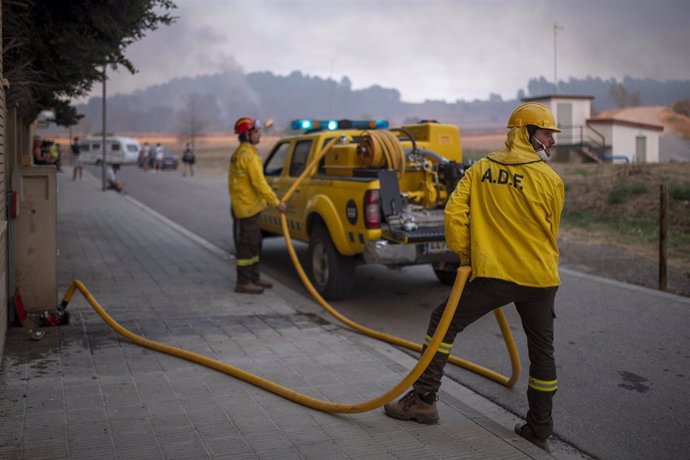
x: 498, y: 312
x: 305, y: 400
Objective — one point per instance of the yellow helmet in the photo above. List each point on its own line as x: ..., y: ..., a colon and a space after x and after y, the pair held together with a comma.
x: 533, y: 113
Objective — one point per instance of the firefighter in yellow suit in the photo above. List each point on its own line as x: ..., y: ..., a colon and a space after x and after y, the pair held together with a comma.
x: 503, y: 220
x: 249, y: 195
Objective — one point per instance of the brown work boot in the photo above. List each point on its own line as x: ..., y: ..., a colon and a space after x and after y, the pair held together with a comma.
x: 263, y: 283
x: 248, y: 288
x: 524, y: 430
x: 412, y: 407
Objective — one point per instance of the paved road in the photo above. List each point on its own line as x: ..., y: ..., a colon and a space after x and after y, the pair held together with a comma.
x: 623, y: 351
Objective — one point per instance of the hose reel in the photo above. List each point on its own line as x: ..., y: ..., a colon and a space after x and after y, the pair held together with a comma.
x: 381, y: 149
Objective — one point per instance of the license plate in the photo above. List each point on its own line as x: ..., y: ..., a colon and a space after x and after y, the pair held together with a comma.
x: 435, y: 247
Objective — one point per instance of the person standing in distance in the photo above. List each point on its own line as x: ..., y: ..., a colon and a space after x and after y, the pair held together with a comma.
x: 188, y: 160
x: 503, y: 220
x: 249, y: 195
x: 158, y: 157
x: 144, y: 156
x: 77, y: 168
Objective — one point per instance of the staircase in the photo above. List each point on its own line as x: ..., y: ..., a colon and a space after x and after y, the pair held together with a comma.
x: 589, y: 153
x: 584, y: 141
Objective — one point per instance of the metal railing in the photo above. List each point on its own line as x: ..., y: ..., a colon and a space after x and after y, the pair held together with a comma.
x: 584, y: 137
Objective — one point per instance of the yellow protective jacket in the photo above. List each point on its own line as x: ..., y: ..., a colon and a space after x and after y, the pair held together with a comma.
x: 504, y: 216
x: 247, y: 186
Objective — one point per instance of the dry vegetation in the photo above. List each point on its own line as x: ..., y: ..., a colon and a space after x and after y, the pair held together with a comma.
x: 610, y: 225
x: 621, y: 204
x: 676, y: 122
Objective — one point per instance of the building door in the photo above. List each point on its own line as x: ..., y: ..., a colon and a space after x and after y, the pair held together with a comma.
x: 564, y: 118
x: 641, y: 149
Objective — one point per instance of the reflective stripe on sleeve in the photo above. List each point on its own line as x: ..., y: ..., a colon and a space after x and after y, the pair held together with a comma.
x: 443, y: 348
x: 543, y: 385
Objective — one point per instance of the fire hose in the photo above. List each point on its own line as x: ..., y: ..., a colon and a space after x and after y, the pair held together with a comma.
x: 305, y: 400
x: 379, y: 149
x: 498, y: 312
x: 292, y: 395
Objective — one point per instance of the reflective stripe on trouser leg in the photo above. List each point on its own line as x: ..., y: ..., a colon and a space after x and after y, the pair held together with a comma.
x: 472, y: 306
x: 539, y: 415
x: 536, y: 309
x: 547, y: 386
x: 443, y: 348
x: 248, y: 249
x: 540, y: 398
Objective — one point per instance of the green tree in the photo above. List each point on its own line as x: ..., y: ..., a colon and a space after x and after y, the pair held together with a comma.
x: 65, y: 114
x: 56, y: 50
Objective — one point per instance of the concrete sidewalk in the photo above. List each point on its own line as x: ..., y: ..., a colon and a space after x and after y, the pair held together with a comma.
x: 85, y: 392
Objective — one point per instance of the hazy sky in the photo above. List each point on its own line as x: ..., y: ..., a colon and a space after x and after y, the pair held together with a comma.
x: 427, y: 49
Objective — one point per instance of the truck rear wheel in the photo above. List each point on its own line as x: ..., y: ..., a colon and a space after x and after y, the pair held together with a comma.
x: 447, y: 274
x: 332, y: 274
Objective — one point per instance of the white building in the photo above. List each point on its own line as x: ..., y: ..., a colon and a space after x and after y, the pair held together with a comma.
x: 629, y: 141
x: 606, y: 137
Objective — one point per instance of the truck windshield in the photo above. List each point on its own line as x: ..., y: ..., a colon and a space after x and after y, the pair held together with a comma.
x: 274, y: 165
x: 300, y: 156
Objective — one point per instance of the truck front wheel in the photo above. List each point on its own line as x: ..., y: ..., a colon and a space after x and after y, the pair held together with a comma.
x: 332, y: 274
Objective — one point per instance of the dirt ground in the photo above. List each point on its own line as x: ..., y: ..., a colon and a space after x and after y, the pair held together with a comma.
x: 596, y: 250
x: 621, y: 262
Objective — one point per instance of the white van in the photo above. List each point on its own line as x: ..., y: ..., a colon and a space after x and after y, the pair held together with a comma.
x: 121, y: 150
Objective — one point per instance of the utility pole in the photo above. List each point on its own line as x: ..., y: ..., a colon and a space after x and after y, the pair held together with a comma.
x: 330, y: 91
x: 104, y: 131
x: 556, y: 28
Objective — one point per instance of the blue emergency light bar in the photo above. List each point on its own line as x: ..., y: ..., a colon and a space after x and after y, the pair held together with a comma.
x: 332, y: 125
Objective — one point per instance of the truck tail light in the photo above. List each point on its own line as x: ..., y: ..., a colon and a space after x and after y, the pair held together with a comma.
x: 372, y: 213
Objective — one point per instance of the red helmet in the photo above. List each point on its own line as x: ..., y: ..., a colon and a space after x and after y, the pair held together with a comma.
x: 244, y: 125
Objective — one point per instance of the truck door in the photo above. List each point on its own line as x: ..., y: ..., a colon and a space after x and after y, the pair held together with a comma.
x: 301, y: 154
x: 276, y: 176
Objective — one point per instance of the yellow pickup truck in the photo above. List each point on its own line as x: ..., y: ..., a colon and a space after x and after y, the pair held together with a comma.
x: 377, y: 196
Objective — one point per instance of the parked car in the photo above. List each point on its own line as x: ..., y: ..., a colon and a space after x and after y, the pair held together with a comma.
x: 170, y: 160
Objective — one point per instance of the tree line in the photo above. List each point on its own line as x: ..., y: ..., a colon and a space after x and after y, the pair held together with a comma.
x: 212, y: 102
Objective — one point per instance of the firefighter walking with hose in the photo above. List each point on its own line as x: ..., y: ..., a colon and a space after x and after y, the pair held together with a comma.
x: 249, y: 195
x: 503, y: 220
